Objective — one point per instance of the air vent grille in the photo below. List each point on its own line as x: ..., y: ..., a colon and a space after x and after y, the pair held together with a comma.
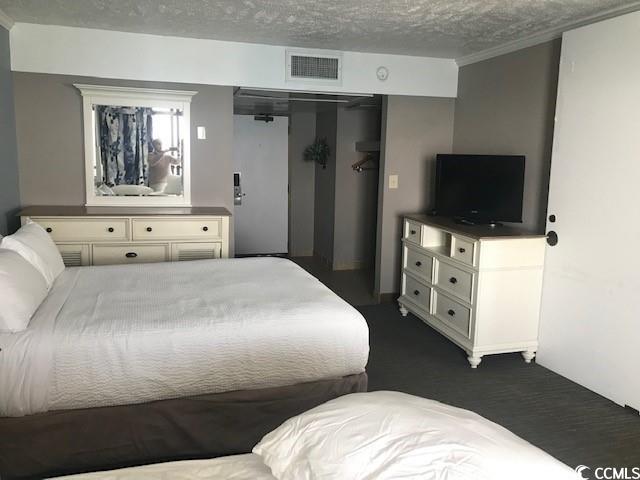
x: 72, y: 259
x: 197, y: 254
x: 322, y: 68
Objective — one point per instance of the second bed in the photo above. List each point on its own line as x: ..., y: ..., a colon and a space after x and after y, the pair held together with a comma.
x: 108, y: 342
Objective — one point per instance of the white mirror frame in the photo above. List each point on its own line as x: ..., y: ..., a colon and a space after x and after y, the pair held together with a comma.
x: 135, y: 97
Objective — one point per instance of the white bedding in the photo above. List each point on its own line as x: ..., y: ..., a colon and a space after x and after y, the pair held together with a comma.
x: 235, y: 467
x: 126, y: 334
x: 373, y: 436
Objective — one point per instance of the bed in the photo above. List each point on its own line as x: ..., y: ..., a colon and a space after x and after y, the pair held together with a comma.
x: 248, y: 466
x: 129, y: 364
x: 372, y: 436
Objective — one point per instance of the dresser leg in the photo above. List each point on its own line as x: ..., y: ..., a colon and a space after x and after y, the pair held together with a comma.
x: 403, y: 311
x: 474, y: 361
x: 528, y: 355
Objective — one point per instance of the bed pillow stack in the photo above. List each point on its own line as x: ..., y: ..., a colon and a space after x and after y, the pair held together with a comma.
x: 37, y: 248
x: 22, y: 290
x: 29, y: 265
x: 392, y: 435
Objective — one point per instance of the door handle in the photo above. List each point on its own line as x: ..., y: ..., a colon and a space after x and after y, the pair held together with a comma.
x: 552, y: 238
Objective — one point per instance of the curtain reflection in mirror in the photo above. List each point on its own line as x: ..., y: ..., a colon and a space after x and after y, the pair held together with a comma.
x: 140, y: 151
x: 125, y: 134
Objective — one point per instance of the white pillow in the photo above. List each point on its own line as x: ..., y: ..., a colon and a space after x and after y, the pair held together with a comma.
x: 22, y: 290
x: 131, y: 190
x: 35, y: 245
x: 391, y: 435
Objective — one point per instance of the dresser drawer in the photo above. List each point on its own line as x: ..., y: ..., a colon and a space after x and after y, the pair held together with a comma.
x: 132, y: 253
x: 462, y: 250
x: 417, y: 292
x: 413, y: 231
x: 419, y: 263
x: 452, y: 314
x: 85, y: 229
x: 176, y: 228
x: 455, y: 280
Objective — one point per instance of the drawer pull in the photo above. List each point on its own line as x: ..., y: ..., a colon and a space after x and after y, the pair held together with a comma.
x: 416, y: 292
x: 413, y: 232
x: 418, y: 264
x: 149, y: 229
x: 453, y: 280
x: 205, y: 229
x: 131, y: 255
x: 451, y: 313
x: 49, y: 229
x: 110, y: 229
x: 462, y: 250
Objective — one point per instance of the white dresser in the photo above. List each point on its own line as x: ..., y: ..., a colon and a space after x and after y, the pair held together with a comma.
x: 108, y: 235
x: 478, y: 286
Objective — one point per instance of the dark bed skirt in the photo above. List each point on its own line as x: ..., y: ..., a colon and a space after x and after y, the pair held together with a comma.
x: 73, y: 441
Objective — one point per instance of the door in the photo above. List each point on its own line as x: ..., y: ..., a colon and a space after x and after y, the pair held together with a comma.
x: 590, y: 317
x: 260, y: 155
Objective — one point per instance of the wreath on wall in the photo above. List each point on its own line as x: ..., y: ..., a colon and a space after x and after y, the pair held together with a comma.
x: 318, y: 152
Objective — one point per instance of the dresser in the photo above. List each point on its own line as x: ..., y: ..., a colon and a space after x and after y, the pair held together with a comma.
x: 478, y: 286
x: 118, y: 235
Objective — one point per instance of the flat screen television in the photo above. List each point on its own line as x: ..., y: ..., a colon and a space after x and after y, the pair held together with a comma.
x: 480, y: 188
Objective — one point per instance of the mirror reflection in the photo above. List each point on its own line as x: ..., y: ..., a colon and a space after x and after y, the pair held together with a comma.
x: 139, y: 151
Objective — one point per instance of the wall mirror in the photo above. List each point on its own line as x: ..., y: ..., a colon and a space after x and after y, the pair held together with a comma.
x: 137, y: 146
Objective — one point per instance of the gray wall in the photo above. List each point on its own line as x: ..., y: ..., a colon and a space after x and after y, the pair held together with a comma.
x: 506, y: 105
x: 302, y: 133
x: 414, y: 130
x: 50, y: 139
x: 325, y: 188
x: 9, y: 194
x: 356, y: 193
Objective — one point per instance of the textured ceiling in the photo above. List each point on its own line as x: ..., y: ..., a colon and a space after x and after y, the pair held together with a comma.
x: 440, y: 28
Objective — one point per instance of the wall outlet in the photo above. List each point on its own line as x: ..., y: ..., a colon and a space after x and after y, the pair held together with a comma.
x: 202, y: 133
x: 393, y: 181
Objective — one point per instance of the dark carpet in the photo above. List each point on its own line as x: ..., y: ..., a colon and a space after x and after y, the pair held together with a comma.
x: 573, y: 424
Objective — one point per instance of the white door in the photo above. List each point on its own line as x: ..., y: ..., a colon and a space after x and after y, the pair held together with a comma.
x: 260, y: 155
x: 590, y: 320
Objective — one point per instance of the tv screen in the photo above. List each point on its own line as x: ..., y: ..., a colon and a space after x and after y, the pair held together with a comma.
x: 480, y: 188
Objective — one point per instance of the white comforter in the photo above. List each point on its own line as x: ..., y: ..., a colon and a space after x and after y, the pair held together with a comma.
x: 373, y: 436
x: 235, y: 467
x: 136, y: 333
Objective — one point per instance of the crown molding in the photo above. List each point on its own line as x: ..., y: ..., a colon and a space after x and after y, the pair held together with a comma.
x: 142, y: 93
x: 6, y: 21
x: 544, y: 36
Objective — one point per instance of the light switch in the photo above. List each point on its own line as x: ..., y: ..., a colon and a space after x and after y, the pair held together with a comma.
x: 393, y: 181
x: 202, y: 133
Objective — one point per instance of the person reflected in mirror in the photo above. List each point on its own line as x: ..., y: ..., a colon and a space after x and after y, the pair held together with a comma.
x: 160, y: 162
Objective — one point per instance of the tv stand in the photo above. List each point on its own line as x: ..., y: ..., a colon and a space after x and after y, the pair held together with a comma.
x: 490, y: 223
x: 477, y: 285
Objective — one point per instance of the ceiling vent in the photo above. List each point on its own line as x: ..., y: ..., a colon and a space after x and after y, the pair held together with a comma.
x: 311, y: 67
